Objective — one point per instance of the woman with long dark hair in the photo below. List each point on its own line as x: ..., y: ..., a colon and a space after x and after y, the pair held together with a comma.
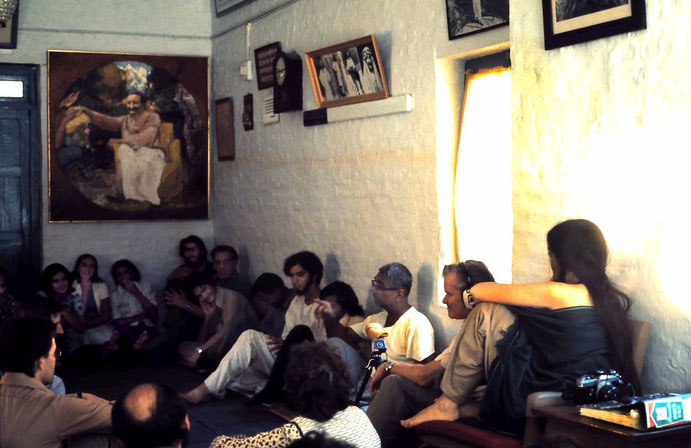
x: 523, y: 338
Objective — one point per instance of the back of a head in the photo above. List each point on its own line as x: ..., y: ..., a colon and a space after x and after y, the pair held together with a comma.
x: 23, y: 342
x: 317, y: 381
x: 267, y: 283
x: 37, y: 307
x: 309, y: 262
x: 579, y: 246
x: 150, y: 416
x: 314, y: 439
x: 398, y: 275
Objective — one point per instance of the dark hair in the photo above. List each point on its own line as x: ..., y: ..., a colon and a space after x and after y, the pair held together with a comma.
x: 165, y: 426
x: 47, y: 278
x: 314, y: 439
x: 196, y: 240
x: 23, y: 342
x: 477, y: 272
x: 267, y: 283
x: 197, y: 279
x: 37, y: 307
x: 579, y: 246
x: 398, y: 275
x: 309, y: 261
x: 75, y: 274
x: 317, y: 382
x: 228, y: 249
x: 125, y: 263
x: 345, y: 297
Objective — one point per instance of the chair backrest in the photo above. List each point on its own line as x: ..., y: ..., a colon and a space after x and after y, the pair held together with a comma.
x: 640, y: 333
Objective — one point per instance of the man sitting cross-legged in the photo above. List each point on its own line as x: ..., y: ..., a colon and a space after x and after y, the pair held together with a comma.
x: 410, y: 336
x: 415, y: 386
x: 31, y: 415
x: 257, y: 350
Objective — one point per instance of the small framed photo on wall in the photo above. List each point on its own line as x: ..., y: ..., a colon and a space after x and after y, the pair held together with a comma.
x: 225, y: 129
x: 8, y: 31
x: 347, y: 73
x: 569, y: 22
x: 466, y: 17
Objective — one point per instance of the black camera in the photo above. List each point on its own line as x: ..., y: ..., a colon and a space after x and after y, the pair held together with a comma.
x: 600, y: 386
x: 378, y: 349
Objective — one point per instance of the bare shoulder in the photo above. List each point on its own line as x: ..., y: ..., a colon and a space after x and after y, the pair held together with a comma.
x: 565, y: 295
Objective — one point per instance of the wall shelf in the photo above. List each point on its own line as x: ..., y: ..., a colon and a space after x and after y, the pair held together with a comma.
x: 389, y: 106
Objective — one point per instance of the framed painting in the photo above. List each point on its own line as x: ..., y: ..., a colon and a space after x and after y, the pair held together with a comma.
x: 8, y: 31
x: 127, y: 137
x: 347, y: 73
x: 225, y: 129
x: 466, y: 17
x: 224, y: 7
x: 569, y: 22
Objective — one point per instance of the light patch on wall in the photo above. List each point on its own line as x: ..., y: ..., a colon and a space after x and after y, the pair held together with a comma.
x: 482, y: 203
x: 11, y: 89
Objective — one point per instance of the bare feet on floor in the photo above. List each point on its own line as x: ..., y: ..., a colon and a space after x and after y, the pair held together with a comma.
x: 197, y: 395
x: 442, y: 409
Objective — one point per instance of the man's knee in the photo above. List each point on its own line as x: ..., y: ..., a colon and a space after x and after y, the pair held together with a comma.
x: 391, y: 386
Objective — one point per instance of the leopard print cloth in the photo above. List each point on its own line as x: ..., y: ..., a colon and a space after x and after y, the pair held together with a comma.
x: 276, y: 438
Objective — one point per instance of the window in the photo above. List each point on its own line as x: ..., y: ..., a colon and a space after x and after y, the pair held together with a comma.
x: 11, y: 89
x: 482, y: 191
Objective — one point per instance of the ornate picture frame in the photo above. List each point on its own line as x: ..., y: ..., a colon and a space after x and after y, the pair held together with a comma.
x: 128, y: 137
x: 347, y: 73
x: 568, y: 22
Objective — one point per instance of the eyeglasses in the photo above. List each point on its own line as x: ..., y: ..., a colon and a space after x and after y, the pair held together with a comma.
x: 376, y: 284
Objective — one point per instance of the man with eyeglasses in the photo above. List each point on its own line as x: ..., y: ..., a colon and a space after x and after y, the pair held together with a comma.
x: 409, y: 334
x: 31, y: 415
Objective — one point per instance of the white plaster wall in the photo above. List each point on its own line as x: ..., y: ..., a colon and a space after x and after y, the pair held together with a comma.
x: 360, y: 193
x: 154, y: 26
x: 600, y: 132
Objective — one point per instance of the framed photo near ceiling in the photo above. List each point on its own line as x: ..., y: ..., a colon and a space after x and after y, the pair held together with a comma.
x: 224, y: 7
x: 127, y: 137
x: 347, y: 73
x: 264, y: 61
x: 466, y: 17
x: 225, y: 129
x: 8, y: 31
x: 569, y: 22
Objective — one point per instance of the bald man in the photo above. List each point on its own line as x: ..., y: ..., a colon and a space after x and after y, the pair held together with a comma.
x: 151, y: 415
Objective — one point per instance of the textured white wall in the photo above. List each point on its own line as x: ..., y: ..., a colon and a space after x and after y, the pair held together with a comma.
x: 119, y: 26
x: 599, y: 132
x: 360, y: 193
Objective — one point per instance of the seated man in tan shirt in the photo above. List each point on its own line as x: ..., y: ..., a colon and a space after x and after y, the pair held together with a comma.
x: 30, y: 414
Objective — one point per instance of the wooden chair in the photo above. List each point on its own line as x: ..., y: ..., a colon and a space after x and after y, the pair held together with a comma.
x: 449, y: 434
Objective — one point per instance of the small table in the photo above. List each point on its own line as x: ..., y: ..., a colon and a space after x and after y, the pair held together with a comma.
x: 589, y: 432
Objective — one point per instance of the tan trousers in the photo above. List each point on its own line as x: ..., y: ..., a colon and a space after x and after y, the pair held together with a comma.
x: 475, y: 350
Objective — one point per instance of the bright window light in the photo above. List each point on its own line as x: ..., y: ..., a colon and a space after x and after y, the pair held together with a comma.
x: 482, y: 194
x: 11, y: 89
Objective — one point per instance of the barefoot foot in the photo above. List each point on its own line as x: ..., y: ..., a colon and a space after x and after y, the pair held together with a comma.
x: 197, y: 395
x: 442, y: 409
x: 141, y: 340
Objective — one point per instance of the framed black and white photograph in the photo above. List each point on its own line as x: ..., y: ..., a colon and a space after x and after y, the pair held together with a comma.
x: 466, y: 17
x: 8, y: 31
x: 224, y: 7
x: 347, y: 73
x: 569, y: 22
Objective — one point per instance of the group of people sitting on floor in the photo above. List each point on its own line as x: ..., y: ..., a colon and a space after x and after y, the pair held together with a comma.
x: 307, y: 347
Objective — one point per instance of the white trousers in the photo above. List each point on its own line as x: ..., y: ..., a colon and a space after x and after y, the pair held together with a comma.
x: 141, y: 171
x: 250, y: 351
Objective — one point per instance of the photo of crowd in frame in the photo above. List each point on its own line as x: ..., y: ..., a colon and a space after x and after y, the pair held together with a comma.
x: 347, y: 73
